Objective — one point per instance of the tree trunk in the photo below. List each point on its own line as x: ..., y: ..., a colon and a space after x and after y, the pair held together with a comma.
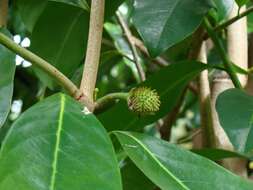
x: 237, y: 50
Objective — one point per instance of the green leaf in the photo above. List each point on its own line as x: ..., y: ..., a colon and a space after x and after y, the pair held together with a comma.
x: 241, y: 2
x: 171, y: 167
x: 169, y: 21
x: 111, y: 6
x: 169, y: 82
x: 36, y: 7
x: 219, y: 154
x: 60, y: 39
x: 79, y: 3
x: 55, y: 146
x: 223, y: 8
x: 235, y: 110
x: 133, y: 178
x: 7, y: 72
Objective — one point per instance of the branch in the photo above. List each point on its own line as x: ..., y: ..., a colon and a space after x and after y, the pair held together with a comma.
x: 158, y: 60
x: 139, y: 44
x: 128, y: 34
x: 93, y: 49
x: 226, y: 61
x: 237, y: 43
x: 170, y: 119
x: 60, y: 78
x: 108, y: 100
x: 207, y: 137
x: 3, y: 12
x: 234, y: 19
x: 237, y: 48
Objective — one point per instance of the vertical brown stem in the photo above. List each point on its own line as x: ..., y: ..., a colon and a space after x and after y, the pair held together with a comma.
x: 131, y: 42
x: 206, y: 136
x: 93, y: 49
x: 3, y: 12
x: 237, y: 50
x: 238, y: 43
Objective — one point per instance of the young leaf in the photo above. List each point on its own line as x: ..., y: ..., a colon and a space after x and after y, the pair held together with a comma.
x: 169, y: 83
x: 235, y: 110
x: 171, y: 167
x: 169, y: 21
x: 55, y: 146
x: 7, y: 72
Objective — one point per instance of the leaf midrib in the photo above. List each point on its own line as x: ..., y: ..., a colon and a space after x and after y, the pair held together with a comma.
x: 57, y: 143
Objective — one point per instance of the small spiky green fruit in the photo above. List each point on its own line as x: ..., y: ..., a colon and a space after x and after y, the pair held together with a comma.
x: 143, y: 101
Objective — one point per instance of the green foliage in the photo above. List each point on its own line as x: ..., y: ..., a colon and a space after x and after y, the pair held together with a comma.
x: 177, y: 76
x: 168, y: 22
x: 235, y: 109
x: 133, y: 178
x: 223, y: 8
x: 219, y: 154
x: 7, y: 71
x: 170, y: 167
x: 241, y: 2
x: 53, y: 145
x: 53, y: 40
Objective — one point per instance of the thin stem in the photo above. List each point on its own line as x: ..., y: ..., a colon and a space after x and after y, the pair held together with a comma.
x: 108, y: 100
x: 3, y: 12
x: 234, y: 19
x: 93, y: 49
x: 227, y: 63
x: 42, y: 64
x: 158, y: 60
x: 129, y: 37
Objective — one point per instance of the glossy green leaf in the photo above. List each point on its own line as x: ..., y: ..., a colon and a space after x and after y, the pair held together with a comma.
x: 55, y: 146
x: 241, y: 2
x: 7, y: 72
x: 171, y: 167
x: 60, y: 39
x: 167, y: 22
x: 169, y: 82
x: 235, y: 110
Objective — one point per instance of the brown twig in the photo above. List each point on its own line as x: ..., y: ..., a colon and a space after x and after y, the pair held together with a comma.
x: 129, y: 38
x: 169, y: 120
x: 3, y: 12
x: 159, y: 60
